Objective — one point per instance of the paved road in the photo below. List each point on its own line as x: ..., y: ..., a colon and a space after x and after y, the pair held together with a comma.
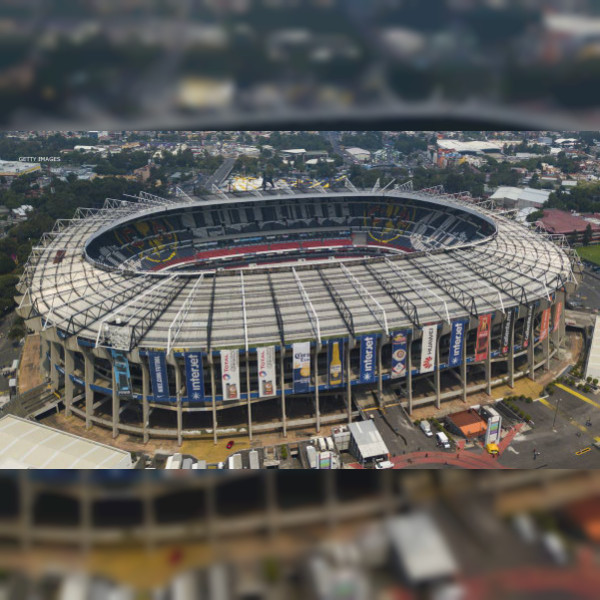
x: 559, y: 445
x: 588, y: 292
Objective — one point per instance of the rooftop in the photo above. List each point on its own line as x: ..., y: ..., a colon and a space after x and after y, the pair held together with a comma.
x: 368, y: 438
x: 521, y: 194
x: 30, y: 445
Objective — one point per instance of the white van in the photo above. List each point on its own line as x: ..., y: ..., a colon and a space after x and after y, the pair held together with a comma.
x: 442, y: 439
x: 426, y: 428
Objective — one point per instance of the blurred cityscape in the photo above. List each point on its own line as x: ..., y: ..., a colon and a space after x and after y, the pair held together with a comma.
x: 269, y: 63
x: 275, y: 535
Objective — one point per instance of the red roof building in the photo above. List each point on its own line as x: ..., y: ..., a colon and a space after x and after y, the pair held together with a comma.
x: 561, y: 221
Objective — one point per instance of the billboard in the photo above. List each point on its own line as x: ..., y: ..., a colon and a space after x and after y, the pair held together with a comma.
x: 428, y: 342
x: 557, y: 315
x: 545, y: 325
x: 230, y: 374
x: 494, y: 429
x: 527, y: 330
x: 301, y: 353
x: 158, y: 375
x: 194, y: 374
x: 507, y: 329
x: 399, y: 354
x: 368, y: 345
x: 266, y: 371
x: 122, y: 374
x: 483, y: 336
x: 335, y: 362
x: 456, y: 343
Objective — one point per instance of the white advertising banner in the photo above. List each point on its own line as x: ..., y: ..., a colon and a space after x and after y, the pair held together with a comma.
x: 230, y: 374
x: 266, y: 371
x: 428, y: 348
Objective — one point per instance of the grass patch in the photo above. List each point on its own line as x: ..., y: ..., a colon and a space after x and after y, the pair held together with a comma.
x: 591, y: 253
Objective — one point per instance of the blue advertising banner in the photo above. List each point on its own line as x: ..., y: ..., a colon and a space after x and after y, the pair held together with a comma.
x: 335, y: 362
x: 367, y: 358
x: 456, y: 343
x: 399, y: 347
x: 158, y: 375
x: 122, y: 374
x: 194, y: 374
x: 301, y: 352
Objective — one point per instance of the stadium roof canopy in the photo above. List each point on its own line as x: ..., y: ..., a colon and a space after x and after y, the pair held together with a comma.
x: 30, y: 445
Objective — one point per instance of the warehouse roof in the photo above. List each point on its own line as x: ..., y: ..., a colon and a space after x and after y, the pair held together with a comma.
x: 562, y: 221
x: 507, y: 192
x: 368, y: 439
x: 30, y: 445
x: 423, y: 553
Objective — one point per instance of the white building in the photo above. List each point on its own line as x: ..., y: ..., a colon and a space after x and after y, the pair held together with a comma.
x: 514, y: 197
x: 359, y: 154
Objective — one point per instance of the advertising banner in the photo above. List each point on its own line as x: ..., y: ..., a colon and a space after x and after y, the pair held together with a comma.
x: 545, y: 325
x: 456, y: 343
x: 527, y: 330
x: 368, y: 346
x: 557, y: 315
x: 428, y: 342
x: 194, y: 374
x: 158, y: 375
x: 399, y: 353
x: 122, y: 374
x: 266, y: 371
x: 335, y: 362
x: 483, y: 336
x: 507, y: 329
x: 230, y: 374
x: 301, y: 367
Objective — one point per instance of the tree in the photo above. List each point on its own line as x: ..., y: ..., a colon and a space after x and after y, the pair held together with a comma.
x: 587, y: 235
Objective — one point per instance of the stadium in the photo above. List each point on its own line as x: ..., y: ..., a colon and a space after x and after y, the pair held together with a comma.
x: 275, y: 310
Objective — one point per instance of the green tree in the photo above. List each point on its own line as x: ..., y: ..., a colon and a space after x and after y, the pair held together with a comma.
x: 587, y: 235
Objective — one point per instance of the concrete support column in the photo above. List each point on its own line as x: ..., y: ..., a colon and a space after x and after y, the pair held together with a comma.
x: 89, y: 393
x: 282, y: 385
x: 149, y: 513
x: 86, y: 504
x: 270, y: 481
x: 179, y: 402
x: 380, y: 369
x: 531, y: 350
x: 54, y: 374
x: 249, y: 394
x: 488, y: 363
x: 145, y: 402
x: 116, y: 405
x: 409, y: 367
x: 26, y: 509
x: 511, y: 354
x: 317, y: 404
x: 437, y: 374
x: 348, y: 383
x: 69, y: 385
x: 214, y: 395
x: 547, y: 346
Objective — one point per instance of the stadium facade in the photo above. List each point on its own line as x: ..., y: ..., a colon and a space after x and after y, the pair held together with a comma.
x: 270, y: 311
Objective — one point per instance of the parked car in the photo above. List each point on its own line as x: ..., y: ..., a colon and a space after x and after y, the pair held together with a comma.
x: 230, y: 444
x: 426, y: 428
x: 384, y: 464
x: 442, y: 440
